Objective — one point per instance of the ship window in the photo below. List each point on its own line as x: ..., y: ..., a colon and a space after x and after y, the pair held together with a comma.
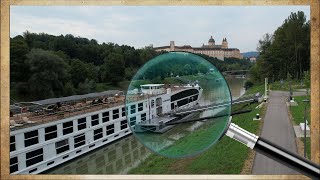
x: 152, y: 103
x: 82, y: 123
x: 95, y: 120
x: 123, y: 124
x: 67, y: 127
x: 133, y: 109
x: 12, y: 143
x: 97, y: 134
x: 31, y: 138
x: 183, y: 102
x: 140, y: 107
x: 184, y: 94
x: 105, y: 117
x: 110, y: 129
x: 13, y: 164
x: 143, y: 117
x: 79, y: 140
x: 115, y: 114
x: 33, y: 157
x: 123, y: 112
x: 132, y: 121
x: 50, y: 132
x: 62, y: 146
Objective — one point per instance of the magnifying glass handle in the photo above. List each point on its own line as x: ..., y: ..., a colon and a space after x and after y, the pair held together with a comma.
x: 274, y: 152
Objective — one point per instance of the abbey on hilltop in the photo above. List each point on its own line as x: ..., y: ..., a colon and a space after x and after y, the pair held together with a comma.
x: 219, y: 51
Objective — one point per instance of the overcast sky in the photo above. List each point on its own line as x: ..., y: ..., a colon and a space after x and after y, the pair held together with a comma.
x: 140, y: 26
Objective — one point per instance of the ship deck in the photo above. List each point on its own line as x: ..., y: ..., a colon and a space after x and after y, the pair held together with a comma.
x: 70, y: 109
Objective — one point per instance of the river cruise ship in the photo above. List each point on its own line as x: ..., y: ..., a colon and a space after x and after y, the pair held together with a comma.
x: 46, y: 133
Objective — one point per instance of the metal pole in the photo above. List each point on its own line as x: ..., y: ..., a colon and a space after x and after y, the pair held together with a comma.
x: 305, y: 130
x: 305, y: 127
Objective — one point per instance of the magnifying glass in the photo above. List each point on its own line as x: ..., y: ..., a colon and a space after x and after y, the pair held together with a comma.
x: 178, y: 105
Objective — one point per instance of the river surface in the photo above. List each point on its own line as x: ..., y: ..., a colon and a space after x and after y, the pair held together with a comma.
x: 124, y: 154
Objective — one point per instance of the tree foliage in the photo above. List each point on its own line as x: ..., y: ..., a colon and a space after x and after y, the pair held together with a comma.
x: 46, y: 66
x: 286, y: 52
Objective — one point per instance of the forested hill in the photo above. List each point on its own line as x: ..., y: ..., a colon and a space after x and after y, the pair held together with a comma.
x: 45, y: 66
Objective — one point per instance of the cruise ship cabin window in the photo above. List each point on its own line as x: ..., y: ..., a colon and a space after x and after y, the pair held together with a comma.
x: 123, y: 124
x: 105, y: 117
x: 50, y: 132
x: 140, y: 107
x: 13, y: 164
x: 31, y: 138
x: 95, y: 120
x: 133, y: 109
x: 12, y: 143
x: 123, y: 112
x: 79, y: 140
x: 62, y: 146
x: 82, y: 123
x: 33, y: 157
x: 97, y: 134
x: 67, y: 127
x: 132, y: 121
x: 110, y: 129
x: 143, y: 117
x: 115, y: 114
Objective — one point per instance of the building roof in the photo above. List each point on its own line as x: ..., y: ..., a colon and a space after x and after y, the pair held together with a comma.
x: 211, y: 39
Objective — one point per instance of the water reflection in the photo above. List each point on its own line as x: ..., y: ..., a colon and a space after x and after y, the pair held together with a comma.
x: 121, y: 156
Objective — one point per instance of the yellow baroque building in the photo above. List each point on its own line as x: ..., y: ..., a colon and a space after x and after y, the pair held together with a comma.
x: 218, y: 51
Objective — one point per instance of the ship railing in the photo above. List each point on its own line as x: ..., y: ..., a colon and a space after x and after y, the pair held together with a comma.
x: 41, y: 117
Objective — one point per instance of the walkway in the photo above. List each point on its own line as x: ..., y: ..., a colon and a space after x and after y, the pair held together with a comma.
x: 278, y: 129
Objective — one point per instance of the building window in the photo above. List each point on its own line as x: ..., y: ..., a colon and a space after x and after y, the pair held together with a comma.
x: 95, y: 120
x: 152, y: 103
x: 13, y: 164
x: 123, y: 124
x: 12, y: 143
x: 140, y: 107
x: 33, y: 157
x: 67, y: 127
x: 110, y: 129
x: 50, y: 132
x: 82, y: 123
x: 105, y: 117
x: 31, y: 138
x: 123, y: 112
x: 133, y: 109
x: 79, y: 140
x: 132, y: 121
x: 62, y: 146
x: 115, y: 114
x: 97, y: 134
x: 143, y: 117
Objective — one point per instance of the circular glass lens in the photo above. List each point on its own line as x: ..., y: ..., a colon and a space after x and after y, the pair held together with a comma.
x: 178, y: 104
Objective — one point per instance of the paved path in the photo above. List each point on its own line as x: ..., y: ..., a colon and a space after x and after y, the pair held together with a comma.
x: 278, y: 129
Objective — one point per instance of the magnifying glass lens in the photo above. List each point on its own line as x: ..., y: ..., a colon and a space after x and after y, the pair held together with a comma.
x: 178, y: 104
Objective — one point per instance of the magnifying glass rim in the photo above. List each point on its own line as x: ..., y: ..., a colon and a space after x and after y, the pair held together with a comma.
x: 187, y: 155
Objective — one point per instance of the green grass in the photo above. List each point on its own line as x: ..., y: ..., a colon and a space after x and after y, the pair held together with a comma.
x: 297, y: 113
x: 295, y: 84
x: 225, y: 157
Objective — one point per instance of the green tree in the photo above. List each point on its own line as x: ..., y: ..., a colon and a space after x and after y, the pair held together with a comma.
x: 114, y: 68
x: 49, y: 73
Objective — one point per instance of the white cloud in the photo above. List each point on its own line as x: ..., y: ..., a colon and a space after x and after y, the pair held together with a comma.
x: 144, y: 25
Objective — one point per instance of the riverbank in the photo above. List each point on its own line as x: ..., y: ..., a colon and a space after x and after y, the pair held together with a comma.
x: 226, y: 157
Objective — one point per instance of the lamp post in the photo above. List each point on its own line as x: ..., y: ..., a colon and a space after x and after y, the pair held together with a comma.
x: 305, y: 126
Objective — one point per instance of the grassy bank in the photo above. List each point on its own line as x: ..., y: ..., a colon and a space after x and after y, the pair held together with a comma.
x: 226, y: 157
x: 285, y: 86
x: 297, y: 113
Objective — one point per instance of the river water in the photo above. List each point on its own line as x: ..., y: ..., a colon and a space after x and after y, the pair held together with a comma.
x: 121, y: 156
